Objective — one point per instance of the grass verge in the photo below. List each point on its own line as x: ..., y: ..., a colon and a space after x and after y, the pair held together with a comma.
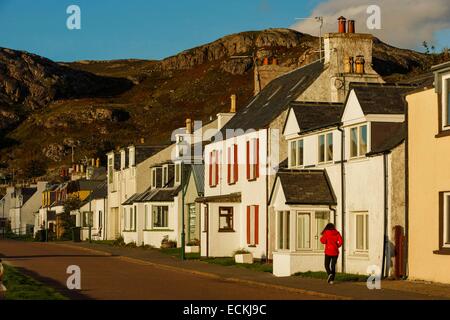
x: 344, y: 277
x: 23, y: 287
x: 256, y: 266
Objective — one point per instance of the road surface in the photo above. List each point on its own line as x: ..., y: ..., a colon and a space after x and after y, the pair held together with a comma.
x: 111, y: 277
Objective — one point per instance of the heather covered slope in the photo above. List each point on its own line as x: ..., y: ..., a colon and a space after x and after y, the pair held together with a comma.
x: 47, y: 108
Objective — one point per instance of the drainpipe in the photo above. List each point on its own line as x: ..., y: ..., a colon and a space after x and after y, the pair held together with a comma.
x: 342, y: 195
x: 207, y: 229
x: 267, y: 193
x: 386, y: 212
x: 183, y: 234
x: 406, y: 248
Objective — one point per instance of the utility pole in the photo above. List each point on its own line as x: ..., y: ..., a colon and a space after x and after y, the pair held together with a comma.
x: 183, y: 233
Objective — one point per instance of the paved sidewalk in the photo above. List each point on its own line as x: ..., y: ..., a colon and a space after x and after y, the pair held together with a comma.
x: 391, y: 290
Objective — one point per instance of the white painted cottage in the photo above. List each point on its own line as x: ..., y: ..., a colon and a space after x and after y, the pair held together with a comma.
x: 241, y: 162
x: 361, y: 157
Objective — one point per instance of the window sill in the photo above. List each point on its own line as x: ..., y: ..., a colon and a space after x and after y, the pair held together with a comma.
x: 443, y: 133
x: 129, y: 231
x: 159, y: 230
x: 442, y: 251
x: 359, y: 255
x: 226, y: 231
x: 252, y: 179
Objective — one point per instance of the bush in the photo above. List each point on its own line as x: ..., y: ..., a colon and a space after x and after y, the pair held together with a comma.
x: 193, y: 243
x: 241, y: 251
x: 119, y: 242
x: 131, y: 245
x: 166, y: 243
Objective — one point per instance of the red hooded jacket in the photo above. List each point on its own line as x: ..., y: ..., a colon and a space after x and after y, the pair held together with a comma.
x: 333, y: 241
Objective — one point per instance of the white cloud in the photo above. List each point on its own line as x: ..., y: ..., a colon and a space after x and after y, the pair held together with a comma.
x: 404, y: 23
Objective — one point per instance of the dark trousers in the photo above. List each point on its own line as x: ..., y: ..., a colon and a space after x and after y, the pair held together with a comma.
x: 330, y: 265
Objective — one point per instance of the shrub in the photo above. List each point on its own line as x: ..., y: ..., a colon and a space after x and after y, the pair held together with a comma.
x: 166, y: 243
x: 241, y: 251
x: 194, y: 242
x: 119, y: 242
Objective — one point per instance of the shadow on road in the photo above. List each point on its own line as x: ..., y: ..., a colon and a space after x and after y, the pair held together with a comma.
x: 71, y: 294
x: 5, y: 257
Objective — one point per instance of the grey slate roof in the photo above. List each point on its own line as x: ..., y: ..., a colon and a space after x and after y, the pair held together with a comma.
x: 382, y: 98
x: 27, y: 193
x: 198, y: 170
x: 308, y: 187
x: 311, y: 116
x: 145, y: 152
x: 274, y: 98
x: 394, y: 140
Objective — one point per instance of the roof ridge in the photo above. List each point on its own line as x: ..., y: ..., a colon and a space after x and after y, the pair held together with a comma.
x: 390, y: 84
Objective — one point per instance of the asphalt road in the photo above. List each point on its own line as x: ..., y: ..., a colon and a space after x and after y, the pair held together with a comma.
x: 105, y: 277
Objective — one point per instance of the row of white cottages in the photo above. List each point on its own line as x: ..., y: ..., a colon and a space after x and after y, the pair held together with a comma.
x: 318, y: 144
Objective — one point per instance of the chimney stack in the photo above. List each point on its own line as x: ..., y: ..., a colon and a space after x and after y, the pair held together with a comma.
x: 188, y: 126
x: 275, y: 61
x: 351, y: 26
x: 341, y: 24
x: 233, y: 104
x: 142, y: 140
x: 97, y: 163
x: 266, y: 62
x: 92, y: 162
x: 359, y: 64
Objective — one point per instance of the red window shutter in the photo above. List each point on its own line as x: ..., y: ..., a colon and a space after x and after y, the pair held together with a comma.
x: 248, y: 226
x: 256, y: 225
x: 210, y: 168
x: 257, y: 158
x: 216, y: 158
x: 248, y: 160
x: 229, y: 166
x: 236, y: 166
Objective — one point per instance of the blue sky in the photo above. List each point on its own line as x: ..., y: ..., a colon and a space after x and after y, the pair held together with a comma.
x: 148, y: 29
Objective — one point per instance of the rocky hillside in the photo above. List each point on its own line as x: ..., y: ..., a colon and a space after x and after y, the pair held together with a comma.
x: 47, y: 108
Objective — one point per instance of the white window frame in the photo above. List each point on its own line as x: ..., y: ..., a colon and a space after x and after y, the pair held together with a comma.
x: 153, y: 219
x: 327, y: 158
x: 231, y: 155
x: 446, y: 221
x: 314, y: 233
x: 366, y: 232
x: 165, y: 175
x: 358, y: 141
x: 177, y: 173
x: 253, y: 158
x: 299, y: 160
x: 286, y: 230
x: 445, y: 102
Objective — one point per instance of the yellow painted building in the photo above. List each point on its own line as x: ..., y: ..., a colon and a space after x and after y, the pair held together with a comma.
x: 429, y: 179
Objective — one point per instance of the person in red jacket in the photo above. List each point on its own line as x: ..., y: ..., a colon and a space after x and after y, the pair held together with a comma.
x: 332, y: 240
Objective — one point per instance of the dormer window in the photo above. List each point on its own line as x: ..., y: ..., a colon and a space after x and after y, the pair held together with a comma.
x: 177, y: 173
x: 165, y: 175
x: 325, y: 148
x: 156, y: 177
x: 358, y: 141
x: 296, y: 153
